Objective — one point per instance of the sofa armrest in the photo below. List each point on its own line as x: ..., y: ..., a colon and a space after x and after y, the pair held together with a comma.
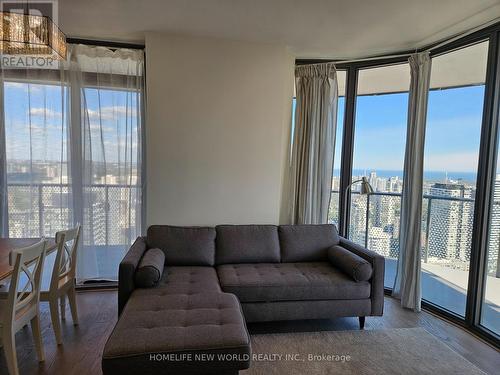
x: 377, y: 281
x: 126, y: 271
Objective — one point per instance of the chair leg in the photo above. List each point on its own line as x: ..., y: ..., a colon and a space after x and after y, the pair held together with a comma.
x: 54, y: 315
x: 361, y: 322
x: 37, y: 336
x: 63, y: 307
x: 9, y: 349
x: 72, y: 305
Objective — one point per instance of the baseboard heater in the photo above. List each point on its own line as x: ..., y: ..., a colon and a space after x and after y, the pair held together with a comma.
x: 97, y: 284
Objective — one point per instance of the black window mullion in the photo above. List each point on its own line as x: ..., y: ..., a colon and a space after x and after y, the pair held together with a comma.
x: 347, y: 149
x: 485, y: 184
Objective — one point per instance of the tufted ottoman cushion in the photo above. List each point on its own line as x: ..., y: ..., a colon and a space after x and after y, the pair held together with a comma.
x: 184, y: 334
x: 264, y: 282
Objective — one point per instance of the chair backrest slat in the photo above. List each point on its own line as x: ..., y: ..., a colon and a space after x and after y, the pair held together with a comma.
x: 65, y: 263
x: 26, y: 299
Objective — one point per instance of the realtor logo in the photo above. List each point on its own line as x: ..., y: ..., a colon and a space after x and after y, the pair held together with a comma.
x: 30, y: 37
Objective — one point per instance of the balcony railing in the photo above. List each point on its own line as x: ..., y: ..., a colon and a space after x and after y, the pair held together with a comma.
x: 446, y: 230
x: 110, y: 219
x: 109, y: 211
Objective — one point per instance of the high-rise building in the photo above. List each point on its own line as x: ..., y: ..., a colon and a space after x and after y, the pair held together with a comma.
x: 451, y: 222
x: 493, y: 266
x: 380, y: 241
x: 357, y: 227
x: 372, y: 179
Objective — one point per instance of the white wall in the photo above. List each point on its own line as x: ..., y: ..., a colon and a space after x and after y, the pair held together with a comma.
x: 218, y: 116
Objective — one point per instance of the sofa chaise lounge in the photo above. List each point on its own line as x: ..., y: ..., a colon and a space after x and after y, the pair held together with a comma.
x: 217, y: 279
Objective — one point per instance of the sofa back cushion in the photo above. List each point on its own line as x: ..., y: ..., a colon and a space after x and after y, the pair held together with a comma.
x: 183, y: 246
x: 247, y: 244
x: 307, y: 243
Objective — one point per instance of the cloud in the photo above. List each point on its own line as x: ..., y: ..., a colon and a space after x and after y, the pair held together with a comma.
x: 46, y: 126
x: 23, y: 86
x: 45, y: 112
x: 107, y: 113
x: 122, y: 143
x: 16, y: 85
x: 111, y: 113
x: 98, y: 127
x: 18, y: 128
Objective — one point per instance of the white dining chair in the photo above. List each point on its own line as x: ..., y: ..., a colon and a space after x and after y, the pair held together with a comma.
x: 63, y: 279
x: 20, y: 304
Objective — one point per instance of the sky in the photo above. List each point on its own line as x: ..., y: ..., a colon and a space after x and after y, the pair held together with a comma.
x: 452, y: 135
x: 454, y: 119
x: 41, y: 108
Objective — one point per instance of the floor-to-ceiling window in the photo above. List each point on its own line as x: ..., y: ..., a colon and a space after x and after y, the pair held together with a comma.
x: 454, y: 118
x: 68, y: 163
x: 489, y: 317
x: 111, y: 204
x: 490, y: 304
x: 460, y: 231
x: 379, y: 148
x: 36, y: 158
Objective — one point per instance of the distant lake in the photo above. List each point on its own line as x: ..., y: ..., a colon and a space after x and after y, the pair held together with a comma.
x: 428, y: 175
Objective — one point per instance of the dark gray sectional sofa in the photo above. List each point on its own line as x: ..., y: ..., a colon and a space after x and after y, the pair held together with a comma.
x: 216, y: 279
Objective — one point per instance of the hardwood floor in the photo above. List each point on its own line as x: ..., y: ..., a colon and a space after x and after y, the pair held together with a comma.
x: 82, y: 345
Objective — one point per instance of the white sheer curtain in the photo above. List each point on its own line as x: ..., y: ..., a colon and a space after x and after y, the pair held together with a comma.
x: 72, y: 149
x: 4, y: 212
x: 35, y: 153
x: 108, y: 129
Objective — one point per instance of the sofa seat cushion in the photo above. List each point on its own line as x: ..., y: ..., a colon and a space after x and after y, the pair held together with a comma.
x: 267, y: 282
x: 190, y: 328
x: 183, y: 280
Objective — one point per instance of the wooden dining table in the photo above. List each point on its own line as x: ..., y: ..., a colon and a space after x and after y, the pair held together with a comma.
x: 9, y: 244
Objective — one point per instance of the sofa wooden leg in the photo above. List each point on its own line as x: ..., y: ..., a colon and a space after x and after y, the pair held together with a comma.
x: 361, y: 322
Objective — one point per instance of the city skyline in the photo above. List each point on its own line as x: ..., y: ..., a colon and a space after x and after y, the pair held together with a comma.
x: 450, y: 219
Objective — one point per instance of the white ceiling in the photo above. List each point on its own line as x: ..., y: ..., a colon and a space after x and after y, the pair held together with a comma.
x: 310, y: 28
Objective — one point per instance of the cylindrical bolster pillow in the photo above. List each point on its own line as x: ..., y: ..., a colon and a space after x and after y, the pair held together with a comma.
x: 349, y: 263
x: 150, y: 268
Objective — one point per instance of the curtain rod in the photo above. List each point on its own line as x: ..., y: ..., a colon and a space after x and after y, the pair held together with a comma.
x: 103, y: 43
x: 428, y: 49
x: 373, y: 58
